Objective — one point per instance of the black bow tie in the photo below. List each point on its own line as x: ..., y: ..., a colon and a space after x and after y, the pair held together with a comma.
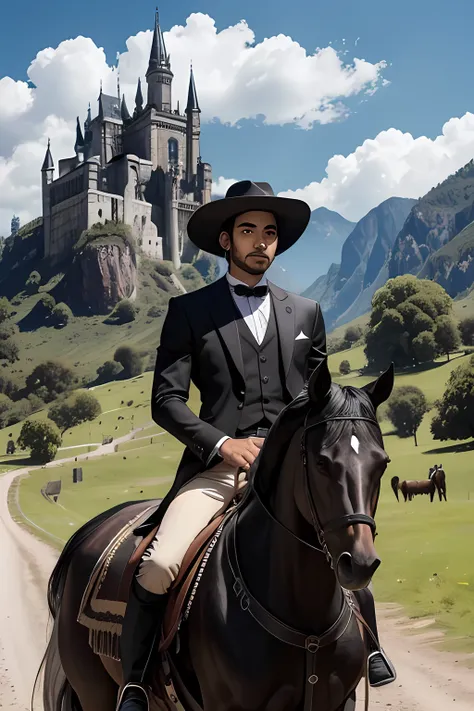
x: 259, y: 291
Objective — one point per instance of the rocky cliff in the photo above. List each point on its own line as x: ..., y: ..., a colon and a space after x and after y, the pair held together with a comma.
x: 346, y: 291
x: 102, y: 273
x: 452, y: 266
x: 434, y: 220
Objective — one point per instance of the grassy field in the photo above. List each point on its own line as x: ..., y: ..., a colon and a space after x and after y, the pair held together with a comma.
x: 427, y: 565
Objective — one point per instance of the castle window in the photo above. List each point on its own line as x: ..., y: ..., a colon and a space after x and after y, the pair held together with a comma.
x: 149, y: 242
x: 100, y: 213
x: 173, y: 151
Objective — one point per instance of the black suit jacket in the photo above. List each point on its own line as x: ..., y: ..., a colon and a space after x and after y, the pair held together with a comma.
x: 200, y: 344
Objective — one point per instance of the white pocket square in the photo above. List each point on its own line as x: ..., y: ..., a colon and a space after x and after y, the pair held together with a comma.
x: 301, y: 336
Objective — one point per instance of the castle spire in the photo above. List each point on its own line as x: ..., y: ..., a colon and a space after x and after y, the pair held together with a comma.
x: 101, y: 105
x: 159, y: 75
x: 192, y: 104
x: 139, y: 97
x: 88, y: 120
x: 79, y: 145
x: 193, y: 130
x: 124, y: 110
x: 48, y: 163
x: 158, y: 55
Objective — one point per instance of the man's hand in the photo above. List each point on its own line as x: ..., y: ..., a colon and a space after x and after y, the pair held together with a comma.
x: 241, y: 452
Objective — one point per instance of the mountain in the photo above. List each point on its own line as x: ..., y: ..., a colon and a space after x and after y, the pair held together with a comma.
x: 452, y: 265
x: 346, y: 291
x: 312, y: 255
x: 434, y: 220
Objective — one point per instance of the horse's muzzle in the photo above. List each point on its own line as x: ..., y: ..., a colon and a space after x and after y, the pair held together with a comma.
x: 355, y: 572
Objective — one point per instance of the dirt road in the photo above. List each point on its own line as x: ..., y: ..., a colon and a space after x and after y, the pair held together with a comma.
x: 428, y: 680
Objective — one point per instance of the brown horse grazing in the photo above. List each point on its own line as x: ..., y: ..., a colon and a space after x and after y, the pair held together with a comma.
x: 413, y: 488
x: 272, y: 624
x: 435, y: 482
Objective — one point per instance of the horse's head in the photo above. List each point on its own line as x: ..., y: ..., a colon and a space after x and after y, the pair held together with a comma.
x: 344, y: 460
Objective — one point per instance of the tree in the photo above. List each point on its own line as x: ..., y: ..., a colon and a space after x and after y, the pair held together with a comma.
x: 83, y: 407
x: 352, y: 334
x: 446, y: 335
x: 124, y: 312
x: 405, y: 410
x: 61, y: 314
x: 41, y: 438
x: 108, y: 371
x: 50, y: 379
x: 466, y: 328
x: 424, y: 347
x: 130, y: 359
x: 404, y: 311
x: 6, y: 406
x: 9, y: 350
x: 455, y: 411
x: 344, y: 367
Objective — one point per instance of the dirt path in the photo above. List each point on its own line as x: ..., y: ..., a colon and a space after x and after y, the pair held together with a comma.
x: 428, y: 680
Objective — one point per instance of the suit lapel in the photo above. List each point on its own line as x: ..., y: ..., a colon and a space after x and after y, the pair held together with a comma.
x: 285, y: 318
x: 222, y: 310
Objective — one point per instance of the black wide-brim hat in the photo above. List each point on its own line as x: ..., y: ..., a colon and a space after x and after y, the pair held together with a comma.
x: 205, y: 224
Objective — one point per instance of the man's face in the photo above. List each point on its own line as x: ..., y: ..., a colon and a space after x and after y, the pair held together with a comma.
x: 254, y: 241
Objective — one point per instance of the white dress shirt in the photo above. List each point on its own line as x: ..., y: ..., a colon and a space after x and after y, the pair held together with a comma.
x: 254, y: 309
x: 256, y: 313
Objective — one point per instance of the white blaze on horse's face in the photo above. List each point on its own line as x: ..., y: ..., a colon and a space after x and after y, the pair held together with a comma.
x: 355, y: 444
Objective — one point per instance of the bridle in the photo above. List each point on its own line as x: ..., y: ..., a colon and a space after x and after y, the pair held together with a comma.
x: 336, y: 523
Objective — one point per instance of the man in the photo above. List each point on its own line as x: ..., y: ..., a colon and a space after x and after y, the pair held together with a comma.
x: 249, y: 347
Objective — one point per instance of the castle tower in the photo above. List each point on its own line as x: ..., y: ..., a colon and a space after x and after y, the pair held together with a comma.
x: 88, y: 135
x: 159, y: 75
x: 47, y: 177
x: 193, y: 131
x: 79, y: 145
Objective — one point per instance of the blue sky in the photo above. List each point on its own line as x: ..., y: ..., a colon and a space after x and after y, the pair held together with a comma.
x: 428, y: 50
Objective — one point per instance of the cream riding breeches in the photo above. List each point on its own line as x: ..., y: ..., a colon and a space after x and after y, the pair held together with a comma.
x: 194, y: 506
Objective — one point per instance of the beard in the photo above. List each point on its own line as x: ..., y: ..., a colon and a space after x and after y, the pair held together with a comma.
x: 242, y: 264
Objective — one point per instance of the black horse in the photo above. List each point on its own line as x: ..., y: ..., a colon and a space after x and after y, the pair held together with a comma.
x: 272, y: 625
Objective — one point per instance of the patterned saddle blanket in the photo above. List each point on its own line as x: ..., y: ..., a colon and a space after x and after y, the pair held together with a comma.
x: 105, y: 598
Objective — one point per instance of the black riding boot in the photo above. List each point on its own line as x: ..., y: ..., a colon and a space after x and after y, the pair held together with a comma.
x: 380, y: 669
x: 141, y: 628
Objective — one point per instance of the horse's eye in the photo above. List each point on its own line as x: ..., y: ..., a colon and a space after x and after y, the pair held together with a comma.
x: 321, y: 462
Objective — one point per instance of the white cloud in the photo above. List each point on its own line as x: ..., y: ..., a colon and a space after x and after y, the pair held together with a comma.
x: 221, y: 186
x: 236, y: 78
x: 391, y: 164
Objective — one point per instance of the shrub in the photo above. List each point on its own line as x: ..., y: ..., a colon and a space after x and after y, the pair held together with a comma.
x: 108, y: 371
x: 130, y: 360
x: 344, y: 367
x: 124, y: 312
x: 61, y: 314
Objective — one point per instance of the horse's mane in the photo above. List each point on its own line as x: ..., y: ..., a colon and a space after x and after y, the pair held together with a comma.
x: 341, y: 401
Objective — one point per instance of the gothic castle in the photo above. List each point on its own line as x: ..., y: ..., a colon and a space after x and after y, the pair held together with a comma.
x: 143, y: 169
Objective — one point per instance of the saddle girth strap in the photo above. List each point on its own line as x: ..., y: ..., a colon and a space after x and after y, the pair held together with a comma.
x: 280, y: 630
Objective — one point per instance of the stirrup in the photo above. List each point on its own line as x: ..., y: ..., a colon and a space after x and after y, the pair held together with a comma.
x: 391, y: 674
x: 133, y: 685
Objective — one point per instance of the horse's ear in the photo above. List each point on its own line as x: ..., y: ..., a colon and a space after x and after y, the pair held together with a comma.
x: 320, y: 382
x: 380, y: 390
